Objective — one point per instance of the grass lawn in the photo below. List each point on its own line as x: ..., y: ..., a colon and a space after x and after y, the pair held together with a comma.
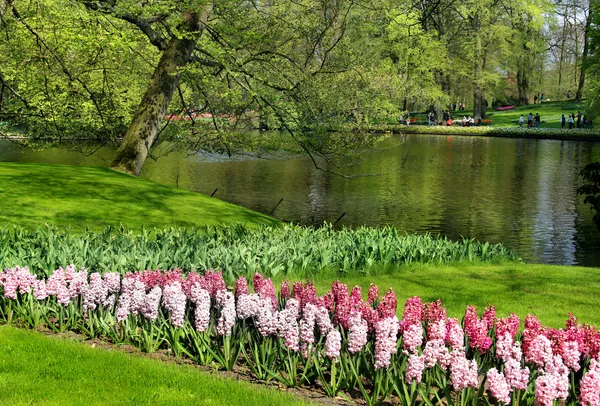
x: 79, y: 197
x: 36, y: 369
x: 548, y: 291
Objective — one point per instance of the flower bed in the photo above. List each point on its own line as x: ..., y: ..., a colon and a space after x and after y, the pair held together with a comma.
x: 339, y: 340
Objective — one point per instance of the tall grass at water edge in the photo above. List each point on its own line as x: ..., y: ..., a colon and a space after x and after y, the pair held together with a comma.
x: 283, y: 251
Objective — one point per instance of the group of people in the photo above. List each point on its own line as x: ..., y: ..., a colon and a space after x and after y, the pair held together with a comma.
x: 575, y: 121
x: 447, y: 119
x: 461, y: 106
x: 531, y: 120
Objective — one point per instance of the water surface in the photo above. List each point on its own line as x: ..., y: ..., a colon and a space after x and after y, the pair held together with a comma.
x: 516, y: 191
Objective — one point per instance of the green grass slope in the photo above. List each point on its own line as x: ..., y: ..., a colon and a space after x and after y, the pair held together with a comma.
x: 79, y: 197
x: 35, y: 369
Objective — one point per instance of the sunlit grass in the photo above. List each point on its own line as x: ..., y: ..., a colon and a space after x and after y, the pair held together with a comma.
x: 78, y: 197
x: 36, y: 369
x: 548, y: 291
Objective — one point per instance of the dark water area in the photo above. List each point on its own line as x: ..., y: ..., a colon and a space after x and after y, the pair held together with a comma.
x: 516, y: 191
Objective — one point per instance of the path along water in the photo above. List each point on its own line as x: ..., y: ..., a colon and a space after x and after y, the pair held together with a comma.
x: 520, y: 192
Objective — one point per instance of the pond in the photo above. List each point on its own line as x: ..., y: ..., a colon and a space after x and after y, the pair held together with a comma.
x: 516, y: 191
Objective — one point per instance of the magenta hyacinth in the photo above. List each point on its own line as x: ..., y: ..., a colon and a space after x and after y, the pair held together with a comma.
x: 241, y: 286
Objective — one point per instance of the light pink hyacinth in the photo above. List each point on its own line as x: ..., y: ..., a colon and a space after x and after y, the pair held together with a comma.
x: 57, y: 285
x: 455, y: 336
x: 435, y: 352
x: 307, y: 324
x: 201, y: 298
x: 412, y: 338
x: 357, y: 337
x: 39, y: 289
x: 571, y: 354
x: 498, y: 386
x: 174, y: 301
x: 386, y: 332
x: 463, y: 373
x: 247, y: 305
x: 151, y: 304
x: 226, y: 301
x: 333, y: 344
x: 414, y: 369
x: 590, y: 385
x: 506, y: 348
x: 540, y: 351
x: 266, y: 318
x: 516, y: 377
x: 287, y: 324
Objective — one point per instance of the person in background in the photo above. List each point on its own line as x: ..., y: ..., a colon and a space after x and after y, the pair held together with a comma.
x: 535, y: 99
x: 521, y: 120
x: 563, y: 120
x: 578, y: 119
x: 454, y: 106
x: 542, y: 98
x: 446, y: 117
x: 570, y: 120
x: 530, y: 120
x: 537, y: 120
x: 407, y: 119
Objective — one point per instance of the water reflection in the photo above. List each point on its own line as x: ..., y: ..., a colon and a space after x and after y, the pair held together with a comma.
x: 516, y: 191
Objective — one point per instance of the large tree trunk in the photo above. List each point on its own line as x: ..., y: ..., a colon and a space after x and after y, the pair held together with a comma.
x: 143, y: 130
x: 523, y: 87
x: 584, y: 58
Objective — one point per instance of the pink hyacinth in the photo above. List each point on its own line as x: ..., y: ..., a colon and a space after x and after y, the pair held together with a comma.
x: 150, y: 306
x: 533, y: 328
x: 201, y: 298
x: 373, y: 294
x: 333, y: 344
x: 226, y: 301
x: 412, y: 338
x: 95, y: 289
x: 516, y: 377
x: 174, y: 300
x: 265, y: 289
x: 386, y: 332
x: 508, y: 325
x: 191, y: 279
x: 455, y: 336
x: 343, y: 307
x: 489, y: 316
x: 590, y: 385
x: 113, y: 282
x: 78, y: 284
x: 213, y: 282
x: 387, y: 306
x: 477, y: 329
x: 413, y: 311
x: 125, y: 298
x: 435, y: 352
x: 414, y: 369
x: 498, y: 386
x: 463, y: 373
x: 285, y: 291
x: 434, y: 311
x: 357, y: 337
x: 355, y: 297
